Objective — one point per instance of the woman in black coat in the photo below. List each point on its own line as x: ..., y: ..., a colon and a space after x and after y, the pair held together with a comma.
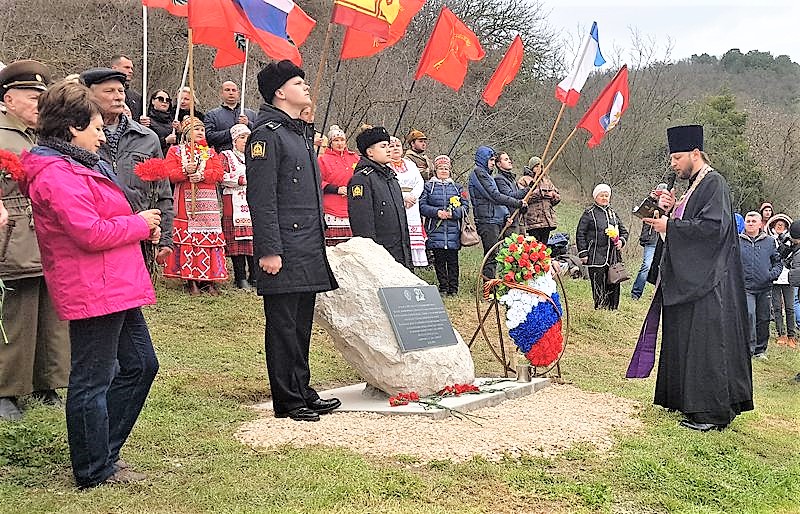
x: 597, y: 249
x: 160, y: 115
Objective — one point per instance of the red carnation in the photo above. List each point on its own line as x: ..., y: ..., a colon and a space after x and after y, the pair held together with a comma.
x: 12, y: 166
x: 151, y: 170
x: 509, y: 277
x: 509, y: 258
x: 520, y: 239
x: 512, y: 247
x: 537, y: 268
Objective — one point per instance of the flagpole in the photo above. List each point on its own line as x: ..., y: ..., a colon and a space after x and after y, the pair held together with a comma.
x: 553, y: 132
x: 538, y: 179
x: 190, y: 61
x: 145, y: 102
x: 405, y: 104
x: 330, y: 95
x: 244, y: 75
x: 321, y: 67
x: 180, y: 89
x: 464, y: 127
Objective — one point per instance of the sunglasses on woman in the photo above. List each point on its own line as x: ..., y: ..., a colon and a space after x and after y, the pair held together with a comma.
x: 164, y: 99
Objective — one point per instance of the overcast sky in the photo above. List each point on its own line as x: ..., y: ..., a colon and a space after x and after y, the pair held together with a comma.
x: 692, y: 27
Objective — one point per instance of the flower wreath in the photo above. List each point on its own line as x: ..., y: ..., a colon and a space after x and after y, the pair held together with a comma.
x: 528, y: 290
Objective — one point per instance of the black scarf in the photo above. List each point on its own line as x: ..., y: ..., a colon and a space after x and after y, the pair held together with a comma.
x: 112, y: 138
x: 80, y: 155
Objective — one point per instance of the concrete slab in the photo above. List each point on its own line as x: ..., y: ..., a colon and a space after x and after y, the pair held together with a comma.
x: 498, y: 390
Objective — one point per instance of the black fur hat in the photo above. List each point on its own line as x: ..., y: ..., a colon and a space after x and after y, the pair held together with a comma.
x: 371, y: 136
x: 274, y: 75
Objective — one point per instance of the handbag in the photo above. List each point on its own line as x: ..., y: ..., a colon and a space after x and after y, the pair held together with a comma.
x: 617, y: 272
x: 469, y: 234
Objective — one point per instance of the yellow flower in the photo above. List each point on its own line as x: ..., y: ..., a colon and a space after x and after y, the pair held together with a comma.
x: 455, y: 202
x: 612, y: 231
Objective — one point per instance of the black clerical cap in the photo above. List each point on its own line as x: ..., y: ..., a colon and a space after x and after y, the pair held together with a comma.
x: 685, y: 138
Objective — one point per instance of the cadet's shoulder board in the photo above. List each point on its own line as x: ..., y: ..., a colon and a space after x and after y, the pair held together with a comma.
x: 357, y: 191
x: 272, y: 125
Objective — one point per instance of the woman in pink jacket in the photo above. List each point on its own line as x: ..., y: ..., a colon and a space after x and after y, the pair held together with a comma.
x: 89, y: 240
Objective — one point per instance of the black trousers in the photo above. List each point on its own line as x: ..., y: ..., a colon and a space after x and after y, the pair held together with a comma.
x: 239, y: 264
x: 541, y: 234
x: 446, y: 264
x: 606, y: 296
x: 489, y: 233
x: 286, y: 343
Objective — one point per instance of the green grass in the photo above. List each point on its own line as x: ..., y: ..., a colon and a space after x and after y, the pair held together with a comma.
x: 212, y: 366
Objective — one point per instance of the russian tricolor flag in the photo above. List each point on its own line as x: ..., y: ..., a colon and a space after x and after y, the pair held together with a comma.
x: 278, y: 26
x: 568, y: 90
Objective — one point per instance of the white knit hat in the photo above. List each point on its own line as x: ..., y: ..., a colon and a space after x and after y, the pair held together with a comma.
x: 601, y: 188
x: 239, y: 129
x: 335, y: 132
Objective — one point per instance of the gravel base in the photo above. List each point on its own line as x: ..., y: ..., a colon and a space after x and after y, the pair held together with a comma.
x: 542, y: 424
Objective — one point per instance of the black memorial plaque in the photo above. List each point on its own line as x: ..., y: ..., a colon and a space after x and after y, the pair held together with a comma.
x: 418, y: 317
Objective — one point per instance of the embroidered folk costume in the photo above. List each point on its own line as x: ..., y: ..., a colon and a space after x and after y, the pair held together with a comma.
x: 197, y: 231
x: 412, y: 184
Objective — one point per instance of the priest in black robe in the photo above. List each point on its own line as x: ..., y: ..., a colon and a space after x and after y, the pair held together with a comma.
x: 704, y: 367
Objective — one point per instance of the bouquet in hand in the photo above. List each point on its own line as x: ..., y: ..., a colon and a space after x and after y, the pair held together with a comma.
x: 613, y: 233
x: 454, y: 203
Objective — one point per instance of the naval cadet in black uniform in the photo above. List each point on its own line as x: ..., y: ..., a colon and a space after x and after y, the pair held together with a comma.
x: 285, y: 198
x: 374, y: 199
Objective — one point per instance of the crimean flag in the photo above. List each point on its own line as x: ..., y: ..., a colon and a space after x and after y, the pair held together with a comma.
x: 363, y: 44
x: 370, y: 16
x: 278, y: 26
x: 605, y: 112
x: 448, y: 51
x: 568, y: 91
x: 505, y: 72
x: 174, y: 7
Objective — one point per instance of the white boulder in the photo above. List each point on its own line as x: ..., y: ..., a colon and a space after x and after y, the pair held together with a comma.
x: 360, y: 328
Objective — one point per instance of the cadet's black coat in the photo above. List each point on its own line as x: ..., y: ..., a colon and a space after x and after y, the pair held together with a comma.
x: 376, y: 209
x: 285, y: 198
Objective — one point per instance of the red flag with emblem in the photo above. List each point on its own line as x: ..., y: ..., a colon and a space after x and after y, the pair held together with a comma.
x: 605, y: 112
x: 174, y: 7
x: 505, y: 72
x: 363, y: 44
x: 448, y: 52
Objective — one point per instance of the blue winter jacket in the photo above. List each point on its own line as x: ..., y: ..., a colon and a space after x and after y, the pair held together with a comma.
x: 489, y: 204
x: 436, y: 197
x: 760, y: 262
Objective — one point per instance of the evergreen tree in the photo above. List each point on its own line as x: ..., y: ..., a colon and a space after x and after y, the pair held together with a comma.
x: 729, y: 150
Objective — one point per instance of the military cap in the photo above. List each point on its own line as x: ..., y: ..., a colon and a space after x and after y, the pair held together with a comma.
x: 24, y: 75
x: 99, y: 75
x: 414, y: 135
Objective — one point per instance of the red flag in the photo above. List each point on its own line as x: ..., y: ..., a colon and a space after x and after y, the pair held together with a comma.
x: 215, y: 23
x: 363, y: 44
x: 449, y: 48
x: 223, y: 24
x: 371, y: 16
x: 605, y: 112
x: 505, y: 72
x: 174, y: 7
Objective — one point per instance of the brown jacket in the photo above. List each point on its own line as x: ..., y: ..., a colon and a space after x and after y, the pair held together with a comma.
x: 423, y: 162
x: 19, y: 251
x: 540, y: 209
